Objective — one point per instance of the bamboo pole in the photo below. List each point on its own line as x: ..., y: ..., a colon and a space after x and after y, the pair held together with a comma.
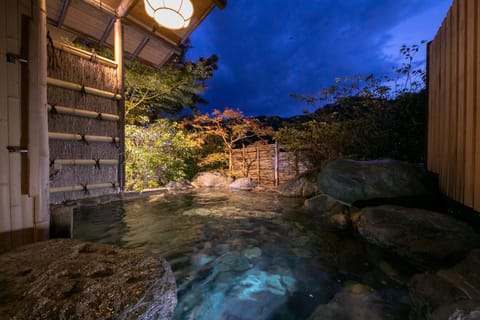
x: 4, y: 163
x: 84, y: 54
x: 78, y: 87
x: 275, y: 164
x: 39, y: 154
x: 79, y: 137
x: 118, y: 51
x: 86, y: 162
x: 83, y: 187
x: 83, y: 113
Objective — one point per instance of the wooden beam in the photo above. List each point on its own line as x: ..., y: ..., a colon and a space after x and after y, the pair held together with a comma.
x: 149, y: 30
x: 140, y: 46
x: 63, y: 13
x: 221, y: 4
x: 124, y: 7
x: 107, y: 31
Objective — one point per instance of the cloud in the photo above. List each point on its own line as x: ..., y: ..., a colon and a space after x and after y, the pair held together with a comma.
x: 272, y: 48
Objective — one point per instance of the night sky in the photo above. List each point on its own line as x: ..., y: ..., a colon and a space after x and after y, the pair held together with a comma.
x: 269, y: 49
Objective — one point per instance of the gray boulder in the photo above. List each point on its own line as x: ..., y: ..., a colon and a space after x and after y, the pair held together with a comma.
x: 243, y: 184
x: 303, y: 185
x: 425, y: 238
x: 449, y: 293
x: 211, y: 179
x: 69, y: 279
x: 350, y: 181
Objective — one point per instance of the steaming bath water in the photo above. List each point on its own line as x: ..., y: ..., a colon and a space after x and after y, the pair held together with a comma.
x: 249, y: 255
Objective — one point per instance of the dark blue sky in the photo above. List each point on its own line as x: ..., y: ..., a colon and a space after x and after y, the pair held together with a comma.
x: 271, y: 48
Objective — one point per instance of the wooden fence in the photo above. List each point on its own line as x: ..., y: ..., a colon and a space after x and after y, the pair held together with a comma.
x: 84, y: 124
x: 454, y: 101
x: 268, y: 164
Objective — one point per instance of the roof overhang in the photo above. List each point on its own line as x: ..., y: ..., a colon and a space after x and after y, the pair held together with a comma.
x: 144, y: 39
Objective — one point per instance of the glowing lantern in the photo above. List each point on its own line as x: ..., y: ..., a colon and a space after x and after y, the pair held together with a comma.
x: 172, y: 14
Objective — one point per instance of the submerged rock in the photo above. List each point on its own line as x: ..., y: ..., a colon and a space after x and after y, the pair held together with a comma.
x: 251, y: 253
x: 69, y: 279
x: 449, y: 293
x: 425, y: 238
x: 243, y: 184
x: 336, y: 213
x: 211, y: 179
x: 303, y: 185
x: 354, y: 302
x: 350, y: 181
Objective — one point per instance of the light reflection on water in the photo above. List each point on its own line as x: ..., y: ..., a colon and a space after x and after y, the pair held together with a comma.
x: 243, y: 255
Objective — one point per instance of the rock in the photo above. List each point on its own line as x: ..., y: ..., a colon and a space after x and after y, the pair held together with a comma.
x: 426, y: 239
x: 323, y: 203
x: 449, y: 293
x: 464, y: 310
x: 304, y: 185
x: 336, y: 213
x: 69, y: 279
x: 251, y: 253
x: 349, y: 181
x: 211, y: 179
x: 179, y: 185
x: 243, y: 184
x: 354, y: 302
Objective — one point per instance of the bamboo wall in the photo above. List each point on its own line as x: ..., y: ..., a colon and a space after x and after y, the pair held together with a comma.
x: 267, y: 164
x: 454, y: 102
x: 84, y: 148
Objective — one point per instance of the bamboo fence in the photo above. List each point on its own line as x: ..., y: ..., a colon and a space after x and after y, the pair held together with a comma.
x: 268, y: 164
x: 454, y: 98
x: 83, y: 124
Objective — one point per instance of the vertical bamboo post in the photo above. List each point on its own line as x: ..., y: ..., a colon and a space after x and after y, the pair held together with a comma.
x: 244, y: 171
x: 275, y: 165
x: 38, y: 133
x: 14, y: 33
x: 118, y: 51
x: 258, y: 164
x: 4, y: 163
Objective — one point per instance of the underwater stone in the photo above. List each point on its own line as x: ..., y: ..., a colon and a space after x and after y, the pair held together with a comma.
x: 251, y: 253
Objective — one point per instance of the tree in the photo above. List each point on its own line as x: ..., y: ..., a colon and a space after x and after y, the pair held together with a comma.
x: 152, y: 93
x: 364, y: 118
x: 158, y: 153
x: 229, y: 128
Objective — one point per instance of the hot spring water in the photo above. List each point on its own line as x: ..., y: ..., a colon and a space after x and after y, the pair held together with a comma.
x: 245, y: 255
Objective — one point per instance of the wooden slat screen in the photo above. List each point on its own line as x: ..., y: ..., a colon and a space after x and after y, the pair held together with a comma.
x: 454, y: 100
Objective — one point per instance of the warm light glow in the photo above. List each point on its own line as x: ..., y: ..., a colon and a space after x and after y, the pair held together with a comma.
x: 172, y: 14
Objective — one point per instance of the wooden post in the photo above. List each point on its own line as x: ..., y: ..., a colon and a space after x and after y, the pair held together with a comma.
x: 258, y: 163
x: 118, y: 51
x: 244, y: 171
x: 38, y: 134
x: 275, y: 165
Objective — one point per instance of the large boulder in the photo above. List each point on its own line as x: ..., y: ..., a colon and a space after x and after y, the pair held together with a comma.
x: 425, y: 238
x: 243, y: 184
x: 69, y: 279
x: 450, y: 293
x: 350, y: 181
x: 211, y: 179
x: 303, y: 185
